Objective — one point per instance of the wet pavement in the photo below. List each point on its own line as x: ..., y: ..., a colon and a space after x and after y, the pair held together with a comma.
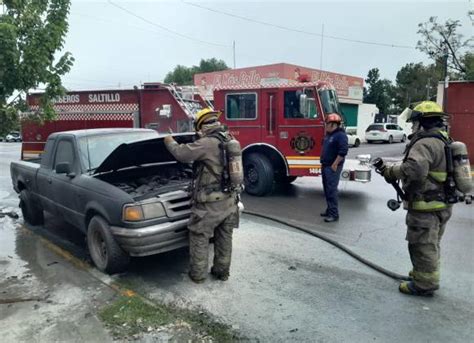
x: 285, y: 285
x: 43, y: 296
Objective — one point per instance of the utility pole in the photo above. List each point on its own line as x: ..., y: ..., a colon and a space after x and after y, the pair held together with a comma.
x: 428, y: 89
x: 233, y: 49
x: 446, y: 78
x: 322, y: 42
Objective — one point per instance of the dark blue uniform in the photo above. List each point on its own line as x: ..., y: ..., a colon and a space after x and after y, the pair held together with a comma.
x: 334, y: 144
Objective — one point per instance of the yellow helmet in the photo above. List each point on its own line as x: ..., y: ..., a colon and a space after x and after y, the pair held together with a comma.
x: 205, y: 115
x: 426, y: 109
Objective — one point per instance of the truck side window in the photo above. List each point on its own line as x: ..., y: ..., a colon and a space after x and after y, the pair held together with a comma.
x: 47, y: 154
x: 241, y: 106
x: 292, y: 105
x: 64, y: 153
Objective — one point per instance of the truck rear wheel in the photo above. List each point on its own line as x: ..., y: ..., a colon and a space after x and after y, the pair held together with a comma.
x: 106, y: 254
x: 258, y: 172
x: 32, y: 213
x: 286, y: 180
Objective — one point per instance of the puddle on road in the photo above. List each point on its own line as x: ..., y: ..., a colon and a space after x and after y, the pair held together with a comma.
x: 11, y: 264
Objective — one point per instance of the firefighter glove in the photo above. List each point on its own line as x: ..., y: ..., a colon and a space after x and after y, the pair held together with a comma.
x: 392, y: 173
x: 169, y: 139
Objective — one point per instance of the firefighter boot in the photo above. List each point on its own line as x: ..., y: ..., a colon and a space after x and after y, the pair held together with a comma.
x: 223, y: 276
x: 195, y: 280
x: 409, y: 288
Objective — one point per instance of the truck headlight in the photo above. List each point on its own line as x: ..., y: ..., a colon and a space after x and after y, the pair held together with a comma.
x: 153, y: 210
x: 133, y: 213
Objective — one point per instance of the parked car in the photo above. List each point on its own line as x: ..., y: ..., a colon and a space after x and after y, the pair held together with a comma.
x: 13, y: 136
x: 353, y: 139
x: 120, y: 187
x: 385, y: 132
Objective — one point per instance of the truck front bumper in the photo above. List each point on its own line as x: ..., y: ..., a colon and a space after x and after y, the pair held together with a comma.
x: 357, y: 170
x: 154, y: 239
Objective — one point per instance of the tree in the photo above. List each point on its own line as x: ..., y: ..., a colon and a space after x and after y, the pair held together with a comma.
x: 182, y: 75
x: 468, y: 61
x: 416, y: 82
x: 442, y: 41
x: 31, y: 33
x: 379, y: 92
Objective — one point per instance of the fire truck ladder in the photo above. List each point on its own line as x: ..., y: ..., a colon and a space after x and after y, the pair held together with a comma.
x: 186, y: 105
x: 208, y: 103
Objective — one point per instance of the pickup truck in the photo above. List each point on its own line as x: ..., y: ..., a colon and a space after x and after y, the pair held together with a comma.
x: 120, y: 187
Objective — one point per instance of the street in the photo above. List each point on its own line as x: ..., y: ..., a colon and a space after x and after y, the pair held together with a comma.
x: 285, y: 285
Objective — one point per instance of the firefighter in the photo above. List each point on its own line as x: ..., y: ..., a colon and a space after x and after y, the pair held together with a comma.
x: 422, y: 173
x: 214, y: 213
x: 332, y: 159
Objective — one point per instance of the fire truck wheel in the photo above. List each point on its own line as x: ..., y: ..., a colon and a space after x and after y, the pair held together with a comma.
x: 286, y: 180
x: 258, y: 174
x: 106, y: 254
x: 32, y: 213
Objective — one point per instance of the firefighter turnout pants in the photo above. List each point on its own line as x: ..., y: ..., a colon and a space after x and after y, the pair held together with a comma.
x: 218, y: 220
x: 424, y: 233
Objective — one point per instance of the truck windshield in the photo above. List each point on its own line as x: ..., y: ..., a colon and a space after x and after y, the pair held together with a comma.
x: 95, y: 149
x: 329, y: 101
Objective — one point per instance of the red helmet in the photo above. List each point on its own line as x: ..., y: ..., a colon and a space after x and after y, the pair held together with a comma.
x: 333, y: 118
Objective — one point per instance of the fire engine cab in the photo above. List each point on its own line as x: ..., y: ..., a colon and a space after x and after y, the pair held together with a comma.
x: 281, y: 130
x: 280, y: 127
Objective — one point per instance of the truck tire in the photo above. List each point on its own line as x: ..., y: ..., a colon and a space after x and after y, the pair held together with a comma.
x: 286, y: 180
x: 106, y: 254
x: 258, y: 175
x: 32, y: 213
x: 356, y: 143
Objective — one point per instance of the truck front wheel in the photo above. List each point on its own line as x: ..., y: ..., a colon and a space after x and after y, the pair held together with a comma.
x: 106, y: 254
x: 258, y: 173
x: 32, y: 213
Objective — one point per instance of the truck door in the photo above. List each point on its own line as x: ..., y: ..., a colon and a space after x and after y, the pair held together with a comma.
x: 269, y: 117
x: 43, y: 178
x: 300, y: 130
x: 62, y: 187
x: 242, y: 116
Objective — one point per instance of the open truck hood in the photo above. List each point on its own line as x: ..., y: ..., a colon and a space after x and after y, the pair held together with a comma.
x: 141, y: 152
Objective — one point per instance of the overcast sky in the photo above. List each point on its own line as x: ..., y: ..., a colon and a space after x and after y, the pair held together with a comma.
x: 116, y: 47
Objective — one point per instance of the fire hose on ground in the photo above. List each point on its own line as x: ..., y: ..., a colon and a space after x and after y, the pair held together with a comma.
x: 334, y: 243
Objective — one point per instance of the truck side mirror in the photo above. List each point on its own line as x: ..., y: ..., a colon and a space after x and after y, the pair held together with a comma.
x: 64, y: 168
x: 303, y: 104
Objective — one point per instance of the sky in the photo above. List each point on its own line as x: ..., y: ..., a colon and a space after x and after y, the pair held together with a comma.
x: 119, y: 44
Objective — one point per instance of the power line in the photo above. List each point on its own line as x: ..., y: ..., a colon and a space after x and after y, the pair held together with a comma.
x: 281, y: 27
x: 173, y: 32
x: 165, y: 28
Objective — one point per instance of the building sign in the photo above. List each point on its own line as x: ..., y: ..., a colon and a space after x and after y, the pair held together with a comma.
x: 89, y: 98
x: 346, y: 86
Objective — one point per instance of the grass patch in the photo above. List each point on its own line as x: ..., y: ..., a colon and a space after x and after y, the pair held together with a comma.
x: 129, y: 316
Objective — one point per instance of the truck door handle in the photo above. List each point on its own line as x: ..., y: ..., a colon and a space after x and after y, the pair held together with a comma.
x: 50, y: 180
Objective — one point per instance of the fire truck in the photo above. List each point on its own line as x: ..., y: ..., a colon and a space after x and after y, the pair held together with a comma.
x: 281, y: 129
x: 280, y: 126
